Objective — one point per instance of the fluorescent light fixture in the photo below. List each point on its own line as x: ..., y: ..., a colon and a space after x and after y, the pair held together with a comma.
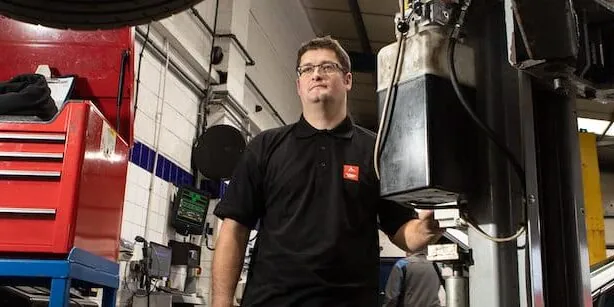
x: 595, y: 126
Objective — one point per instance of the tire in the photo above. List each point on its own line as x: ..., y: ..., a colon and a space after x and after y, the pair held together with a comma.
x: 91, y: 14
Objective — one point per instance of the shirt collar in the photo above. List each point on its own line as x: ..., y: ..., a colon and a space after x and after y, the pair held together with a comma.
x: 344, y: 130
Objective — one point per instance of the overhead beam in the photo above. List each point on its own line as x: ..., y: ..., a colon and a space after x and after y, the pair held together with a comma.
x: 363, y: 62
x: 360, y: 26
x: 362, y: 32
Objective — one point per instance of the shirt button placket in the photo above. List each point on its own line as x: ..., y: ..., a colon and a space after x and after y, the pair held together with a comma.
x: 323, y: 155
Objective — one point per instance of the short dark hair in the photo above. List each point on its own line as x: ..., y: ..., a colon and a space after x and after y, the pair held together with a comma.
x: 329, y: 43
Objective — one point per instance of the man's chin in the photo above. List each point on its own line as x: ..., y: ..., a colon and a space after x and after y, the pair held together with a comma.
x: 320, y: 98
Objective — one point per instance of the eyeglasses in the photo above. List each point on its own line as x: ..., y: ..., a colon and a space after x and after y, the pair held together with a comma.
x: 325, y: 68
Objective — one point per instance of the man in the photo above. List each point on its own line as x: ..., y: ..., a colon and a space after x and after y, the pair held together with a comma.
x: 313, y: 188
x: 414, y: 281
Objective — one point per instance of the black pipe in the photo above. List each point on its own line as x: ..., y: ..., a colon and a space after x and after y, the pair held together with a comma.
x: 176, y: 68
x: 244, y: 50
x: 266, y: 101
x: 191, y: 81
x: 250, y: 61
x: 138, y: 73
x: 122, y: 74
x: 202, y: 20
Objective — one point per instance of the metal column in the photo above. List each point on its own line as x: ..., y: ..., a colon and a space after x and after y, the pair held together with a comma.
x: 533, y: 261
x: 496, y: 204
x: 556, y: 228
x: 566, y: 272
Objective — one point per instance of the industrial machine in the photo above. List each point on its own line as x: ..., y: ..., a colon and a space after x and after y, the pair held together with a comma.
x: 167, y: 275
x: 185, y: 266
x: 476, y: 103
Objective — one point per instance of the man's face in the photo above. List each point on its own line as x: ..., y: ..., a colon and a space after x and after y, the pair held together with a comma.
x: 321, y: 78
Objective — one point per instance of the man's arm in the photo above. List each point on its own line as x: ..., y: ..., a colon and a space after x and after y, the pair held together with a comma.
x: 228, y: 261
x: 416, y: 234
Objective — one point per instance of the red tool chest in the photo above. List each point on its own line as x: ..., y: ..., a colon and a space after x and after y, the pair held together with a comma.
x: 62, y: 183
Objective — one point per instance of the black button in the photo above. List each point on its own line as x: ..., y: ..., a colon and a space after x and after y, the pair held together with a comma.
x: 322, y: 164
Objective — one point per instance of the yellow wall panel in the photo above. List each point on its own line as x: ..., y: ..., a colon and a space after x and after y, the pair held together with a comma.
x: 593, y: 208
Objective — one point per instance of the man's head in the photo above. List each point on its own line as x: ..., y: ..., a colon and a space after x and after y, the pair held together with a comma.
x: 323, y: 69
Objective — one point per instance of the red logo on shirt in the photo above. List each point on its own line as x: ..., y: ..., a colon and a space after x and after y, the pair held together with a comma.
x: 350, y: 172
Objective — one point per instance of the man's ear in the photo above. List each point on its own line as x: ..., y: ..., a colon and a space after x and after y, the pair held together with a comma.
x: 298, y: 87
x: 347, y: 81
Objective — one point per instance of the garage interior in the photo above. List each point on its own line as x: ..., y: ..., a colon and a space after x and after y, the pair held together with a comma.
x: 113, y: 177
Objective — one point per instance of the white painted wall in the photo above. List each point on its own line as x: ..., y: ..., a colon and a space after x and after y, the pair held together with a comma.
x: 277, y: 28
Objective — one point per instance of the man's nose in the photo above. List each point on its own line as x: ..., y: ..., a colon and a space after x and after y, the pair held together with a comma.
x: 316, y: 75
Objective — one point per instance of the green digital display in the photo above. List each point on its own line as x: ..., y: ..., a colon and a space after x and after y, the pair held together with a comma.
x: 192, y: 207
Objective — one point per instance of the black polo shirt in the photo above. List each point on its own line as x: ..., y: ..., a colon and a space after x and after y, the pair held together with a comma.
x: 316, y: 196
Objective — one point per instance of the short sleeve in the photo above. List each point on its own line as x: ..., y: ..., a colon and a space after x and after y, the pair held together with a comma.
x: 243, y: 199
x: 393, y: 215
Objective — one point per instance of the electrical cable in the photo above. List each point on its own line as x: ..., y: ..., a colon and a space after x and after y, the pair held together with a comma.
x: 454, y: 35
x: 213, y: 34
x: 138, y: 71
x: 489, y: 132
x: 202, y: 107
x: 483, y: 233
x: 148, y: 277
x: 386, y: 114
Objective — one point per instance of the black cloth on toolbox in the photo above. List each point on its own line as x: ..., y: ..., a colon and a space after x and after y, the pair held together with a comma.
x: 28, y: 95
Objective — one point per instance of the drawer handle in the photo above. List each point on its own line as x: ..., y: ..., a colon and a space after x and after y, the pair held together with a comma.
x: 43, y: 174
x: 27, y: 211
x: 32, y: 137
x: 31, y: 155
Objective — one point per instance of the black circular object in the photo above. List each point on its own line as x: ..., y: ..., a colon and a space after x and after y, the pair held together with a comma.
x: 91, y: 14
x: 217, y: 151
x: 218, y: 55
x: 403, y: 26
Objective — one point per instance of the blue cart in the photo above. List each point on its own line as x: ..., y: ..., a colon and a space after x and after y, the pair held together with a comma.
x: 80, y: 266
